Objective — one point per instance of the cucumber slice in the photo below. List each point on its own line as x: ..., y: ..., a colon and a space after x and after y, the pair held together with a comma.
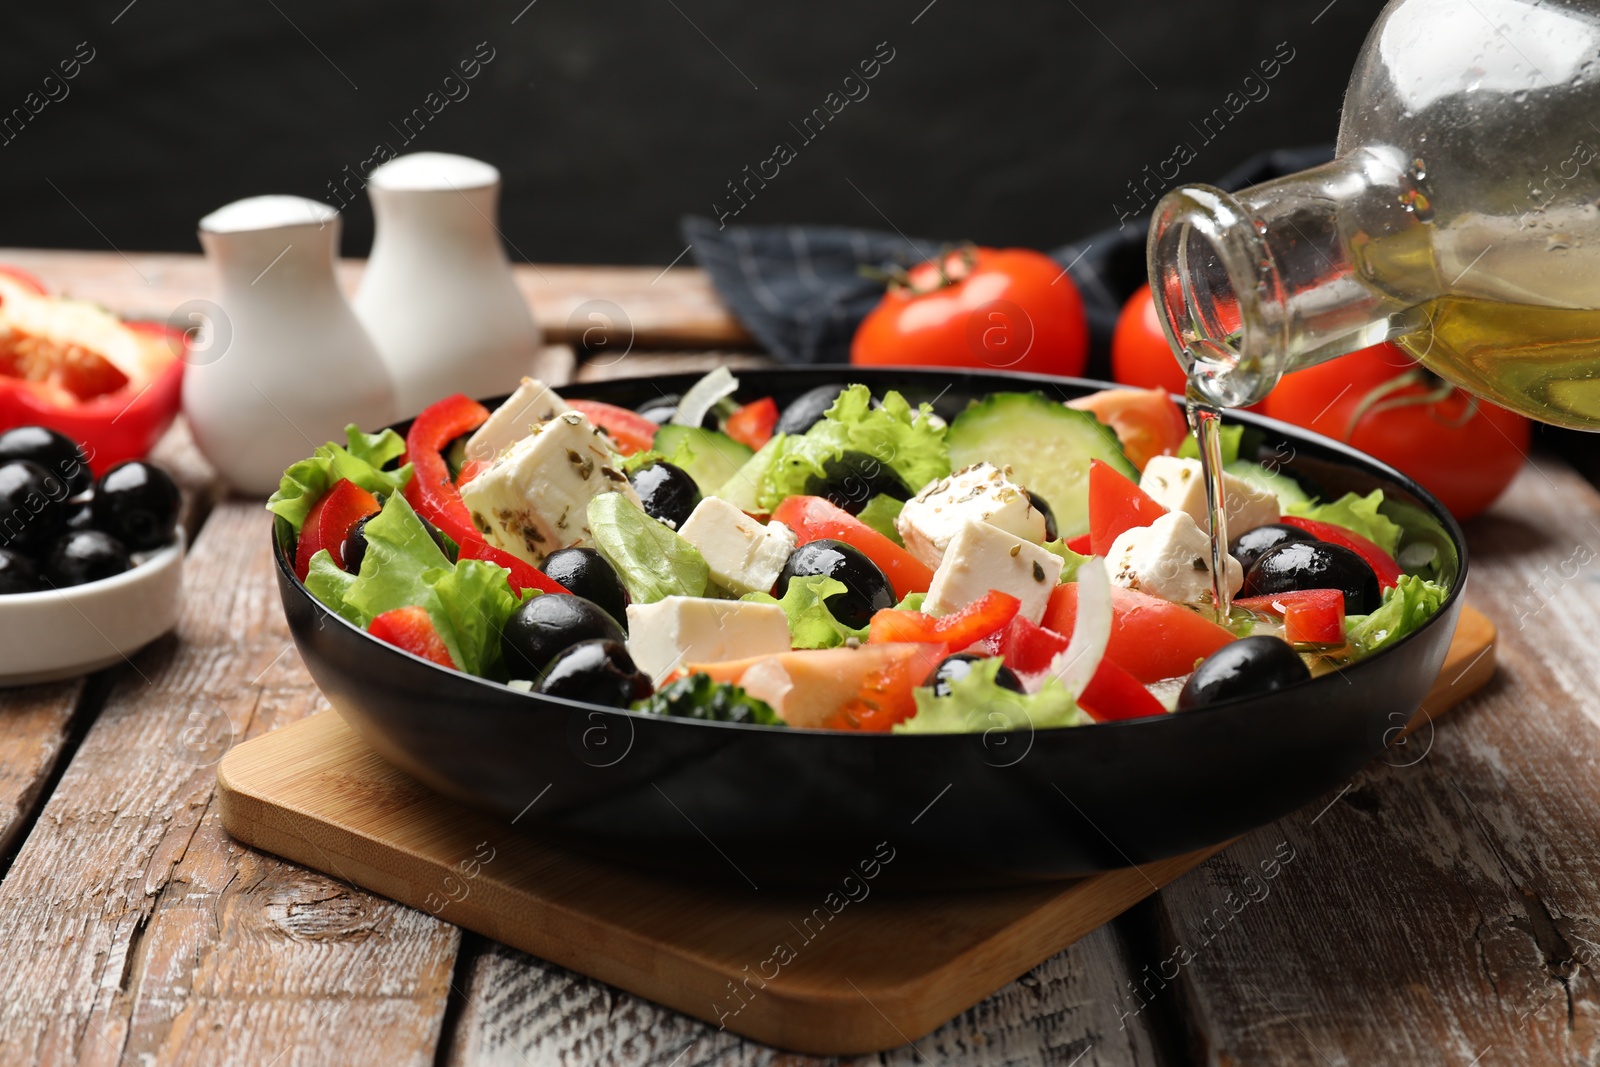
x: 1285, y: 488
x: 710, y: 457
x: 1047, y: 444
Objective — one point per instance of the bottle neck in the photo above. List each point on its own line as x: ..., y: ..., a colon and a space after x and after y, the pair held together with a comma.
x: 1282, y: 275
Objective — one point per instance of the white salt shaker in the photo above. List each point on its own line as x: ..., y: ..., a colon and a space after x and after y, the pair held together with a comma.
x: 438, y: 296
x: 284, y: 365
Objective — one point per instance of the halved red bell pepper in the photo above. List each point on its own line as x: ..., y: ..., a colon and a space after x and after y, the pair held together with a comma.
x: 815, y: 519
x: 980, y: 619
x: 431, y: 492
x: 113, y: 387
x: 751, y: 425
x: 1310, y: 616
x: 412, y: 630
x: 1116, y: 505
x: 1382, y: 564
x: 631, y: 431
x: 329, y: 523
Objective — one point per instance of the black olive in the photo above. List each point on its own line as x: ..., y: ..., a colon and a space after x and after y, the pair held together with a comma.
x: 1315, y: 565
x: 137, y: 503
x: 600, y: 672
x: 851, y: 479
x: 17, y: 573
x: 81, y: 516
x: 1253, y: 544
x: 33, y: 506
x: 661, y: 410
x: 585, y: 572
x: 959, y: 666
x: 1247, y: 667
x: 666, y: 491
x: 1042, y: 506
x: 355, y: 545
x: 866, y: 590
x: 56, y: 453
x: 85, y: 556
x: 541, y: 628
x: 807, y: 409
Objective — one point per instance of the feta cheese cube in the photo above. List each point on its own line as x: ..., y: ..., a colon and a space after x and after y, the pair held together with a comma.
x: 744, y: 555
x: 535, y: 497
x: 1170, y: 558
x: 983, y: 557
x: 1180, y: 485
x: 979, y: 493
x: 533, y: 403
x: 690, y: 629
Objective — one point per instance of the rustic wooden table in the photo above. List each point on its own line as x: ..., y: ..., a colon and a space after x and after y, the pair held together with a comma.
x: 1441, y: 907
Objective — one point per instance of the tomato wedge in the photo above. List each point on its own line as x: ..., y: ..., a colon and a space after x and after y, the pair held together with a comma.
x: 329, y: 521
x: 1146, y: 421
x: 982, y: 618
x: 1151, y: 638
x: 1026, y: 646
x: 631, y: 431
x: 752, y: 424
x: 1116, y: 505
x: 1382, y: 564
x: 1310, y: 616
x: 1114, y: 694
x: 1082, y: 544
x: 431, y: 492
x: 411, y: 630
x: 814, y: 519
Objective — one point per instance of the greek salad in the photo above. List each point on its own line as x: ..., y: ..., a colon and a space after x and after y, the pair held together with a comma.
x: 850, y: 561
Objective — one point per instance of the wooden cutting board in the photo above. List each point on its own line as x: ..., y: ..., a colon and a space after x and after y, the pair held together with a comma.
x: 882, y: 971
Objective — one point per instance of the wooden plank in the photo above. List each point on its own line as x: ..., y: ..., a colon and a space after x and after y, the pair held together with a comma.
x: 639, y: 364
x: 644, y: 307
x: 520, y: 1009
x: 134, y: 930
x: 1444, y: 907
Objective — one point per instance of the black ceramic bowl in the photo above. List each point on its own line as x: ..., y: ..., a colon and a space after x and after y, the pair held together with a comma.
x: 783, y: 806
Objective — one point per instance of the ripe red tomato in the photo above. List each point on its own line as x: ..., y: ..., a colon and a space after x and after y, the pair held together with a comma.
x: 1010, y: 309
x: 1140, y: 354
x: 1464, y: 451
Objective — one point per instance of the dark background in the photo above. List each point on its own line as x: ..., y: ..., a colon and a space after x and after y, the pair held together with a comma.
x: 1011, y: 123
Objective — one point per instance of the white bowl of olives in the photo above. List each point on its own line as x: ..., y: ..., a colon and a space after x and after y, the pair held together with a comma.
x: 90, y: 569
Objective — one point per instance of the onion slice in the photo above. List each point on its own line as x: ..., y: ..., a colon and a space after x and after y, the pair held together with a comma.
x: 703, y: 395
x: 1075, y: 665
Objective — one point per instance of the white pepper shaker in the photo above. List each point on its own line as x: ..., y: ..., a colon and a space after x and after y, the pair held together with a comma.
x: 286, y: 365
x: 438, y: 296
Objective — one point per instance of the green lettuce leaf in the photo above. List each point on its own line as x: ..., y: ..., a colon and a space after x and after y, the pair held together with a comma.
x: 468, y: 601
x: 743, y: 490
x: 906, y: 440
x: 1425, y: 546
x: 698, y: 697
x: 1358, y: 514
x: 652, y: 561
x: 1071, y: 560
x: 361, y: 460
x: 1412, y: 602
x: 1230, y: 435
x: 880, y: 513
x: 976, y: 704
x: 912, y: 602
x: 811, y: 624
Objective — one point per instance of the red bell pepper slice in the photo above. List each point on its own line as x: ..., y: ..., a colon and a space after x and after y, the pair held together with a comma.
x: 631, y: 431
x: 1114, y: 694
x: 431, y: 493
x: 1082, y: 544
x: 412, y: 630
x: 1310, y: 616
x: 751, y: 425
x: 980, y: 619
x: 1382, y: 564
x: 523, y: 575
x: 815, y: 519
x: 1026, y: 646
x: 329, y: 523
x: 1116, y: 505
